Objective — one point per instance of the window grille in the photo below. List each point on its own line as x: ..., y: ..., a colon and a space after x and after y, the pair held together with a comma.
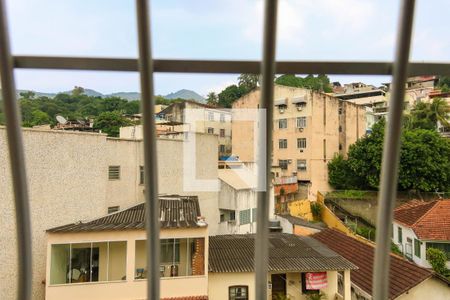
x: 282, y: 123
x: 301, y: 143
x: 301, y: 165
x: 282, y: 143
x: 244, y: 217
x: 146, y: 65
x: 301, y: 122
x: 114, y: 172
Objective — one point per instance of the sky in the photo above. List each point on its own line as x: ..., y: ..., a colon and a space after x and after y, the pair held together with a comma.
x: 220, y: 29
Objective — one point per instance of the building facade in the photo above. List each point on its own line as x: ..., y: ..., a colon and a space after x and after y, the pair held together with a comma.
x: 79, y: 176
x: 310, y: 128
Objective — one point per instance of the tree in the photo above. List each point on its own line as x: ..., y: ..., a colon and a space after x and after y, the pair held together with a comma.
x: 230, y: 94
x: 77, y: 91
x: 110, y: 123
x: 437, y: 260
x: 212, y: 99
x: 248, y: 81
x: 27, y: 94
x: 320, y: 83
x: 427, y: 115
x: 424, y: 162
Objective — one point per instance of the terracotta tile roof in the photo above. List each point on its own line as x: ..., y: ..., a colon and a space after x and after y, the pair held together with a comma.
x: 187, y: 298
x: 175, y: 211
x: 403, y: 274
x: 287, y: 252
x: 428, y: 220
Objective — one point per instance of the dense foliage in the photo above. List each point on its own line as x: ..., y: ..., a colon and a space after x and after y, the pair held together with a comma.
x: 424, y: 162
x: 108, y: 112
x: 437, y: 260
x: 320, y: 83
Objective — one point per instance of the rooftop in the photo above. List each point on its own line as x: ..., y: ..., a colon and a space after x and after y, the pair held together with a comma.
x: 429, y: 220
x: 302, y: 222
x: 238, y: 178
x: 175, y: 212
x: 403, y: 274
x: 287, y: 252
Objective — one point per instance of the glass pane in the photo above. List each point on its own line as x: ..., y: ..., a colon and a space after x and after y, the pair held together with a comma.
x: 59, y: 264
x: 117, y: 263
x: 80, y: 262
x: 140, y: 261
x: 99, y: 261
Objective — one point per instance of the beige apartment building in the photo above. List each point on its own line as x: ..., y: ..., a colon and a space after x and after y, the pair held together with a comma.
x: 79, y: 176
x: 309, y: 129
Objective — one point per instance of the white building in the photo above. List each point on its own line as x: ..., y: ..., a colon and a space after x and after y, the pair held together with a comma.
x: 420, y: 225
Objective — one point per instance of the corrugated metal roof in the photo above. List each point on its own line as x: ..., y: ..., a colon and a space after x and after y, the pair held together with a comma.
x: 299, y: 221
x: 175, y: 211
x: 287, y: 252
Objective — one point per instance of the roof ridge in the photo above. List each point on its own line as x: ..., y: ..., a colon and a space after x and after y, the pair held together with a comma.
x: 425, y: 214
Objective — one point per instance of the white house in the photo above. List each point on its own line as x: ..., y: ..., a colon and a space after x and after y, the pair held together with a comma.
x: 420, y: 225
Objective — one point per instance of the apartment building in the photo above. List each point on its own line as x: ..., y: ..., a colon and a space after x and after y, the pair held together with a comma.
x: 105, y: 258
x: 79, y: 176
x: 310, y: 128
x: 191, y: 116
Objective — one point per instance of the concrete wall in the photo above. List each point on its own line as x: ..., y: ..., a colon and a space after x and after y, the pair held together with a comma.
x: 130, y: 288
x: 68, y: 181
x: 431, y: 288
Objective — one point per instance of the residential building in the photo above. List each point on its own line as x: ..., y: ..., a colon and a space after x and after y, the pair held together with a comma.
x: 105, y: 258
x: 297, y: 265
x: 406, y: 280
x: 193, y: 116
x: 420, y: 225
x: 238, y: 200
x: 310, y: 128
x: 76, y: 175
x: 286, y: 190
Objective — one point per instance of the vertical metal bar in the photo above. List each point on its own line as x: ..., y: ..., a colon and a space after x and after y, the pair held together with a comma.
x: 150, y: 157
x: 17, y: 160
x: 262, y: 212
x: 391, y: 154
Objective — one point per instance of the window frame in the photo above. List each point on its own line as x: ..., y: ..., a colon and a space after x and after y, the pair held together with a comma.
x: 114, y: 175
x: 246, y: 297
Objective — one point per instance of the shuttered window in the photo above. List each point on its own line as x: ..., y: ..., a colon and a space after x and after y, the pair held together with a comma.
x: 114, y: 172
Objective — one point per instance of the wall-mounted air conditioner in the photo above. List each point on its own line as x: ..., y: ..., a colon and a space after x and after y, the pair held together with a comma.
x: 290, y: 161
x: 300, y: 129
x: 299, y: 108
x: 281, y: 110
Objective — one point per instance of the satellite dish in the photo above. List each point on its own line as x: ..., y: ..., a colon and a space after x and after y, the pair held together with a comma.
x: 61, y: 120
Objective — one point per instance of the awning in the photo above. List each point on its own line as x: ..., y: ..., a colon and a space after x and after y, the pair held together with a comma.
x: 301, y: 99
x: 280, y: 102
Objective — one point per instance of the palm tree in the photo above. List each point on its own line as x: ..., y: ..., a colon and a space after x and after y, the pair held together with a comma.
x: 440, y: 111
x: 212, y: 99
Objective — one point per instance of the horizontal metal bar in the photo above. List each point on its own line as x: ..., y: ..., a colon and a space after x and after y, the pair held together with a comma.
x: 226, y: 66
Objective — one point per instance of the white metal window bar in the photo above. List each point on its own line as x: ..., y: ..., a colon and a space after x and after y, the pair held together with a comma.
x: 400, y: 69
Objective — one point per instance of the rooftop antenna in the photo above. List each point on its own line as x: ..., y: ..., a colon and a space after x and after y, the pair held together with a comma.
x: 61, y: 120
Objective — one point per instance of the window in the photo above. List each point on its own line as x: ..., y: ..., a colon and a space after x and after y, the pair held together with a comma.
x: 301, y: 165
x: 210, y: 130
x: 244, y: 217
x: 301, y: 143
x: 283, y: 163
x: 141, y: 174
x: 282, y: 108
x: 179, y: 257
x: 210, y: 116
x: 304, y: 290
x: 282, y: 123
x: 282, y: 143
x: 222, y: 118
x: 253, y: 215
x: 445, y: 247
x: 301, y: 122
x: 238, y: 292
x: 232, y: 215
x: 114, y: 172
x: 88, y: 262
x: 324, y: 149
x: 399, y: 233
x: 417, y: 244
x: 222, y: 148
x: 113, y: 209
x: 222, y: 132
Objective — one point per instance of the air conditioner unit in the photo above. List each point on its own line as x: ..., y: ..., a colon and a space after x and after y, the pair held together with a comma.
x: 290, y: 161
x: 301, y: 150
x: 300, y: 129
x: 299, y: 108
x: 281, y: 110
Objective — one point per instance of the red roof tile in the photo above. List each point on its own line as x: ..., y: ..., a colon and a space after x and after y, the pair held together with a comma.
x: 403, y: 275
x: 428, y: 220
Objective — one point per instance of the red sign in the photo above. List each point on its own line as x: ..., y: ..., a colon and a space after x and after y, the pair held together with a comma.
x: 316, y: 281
